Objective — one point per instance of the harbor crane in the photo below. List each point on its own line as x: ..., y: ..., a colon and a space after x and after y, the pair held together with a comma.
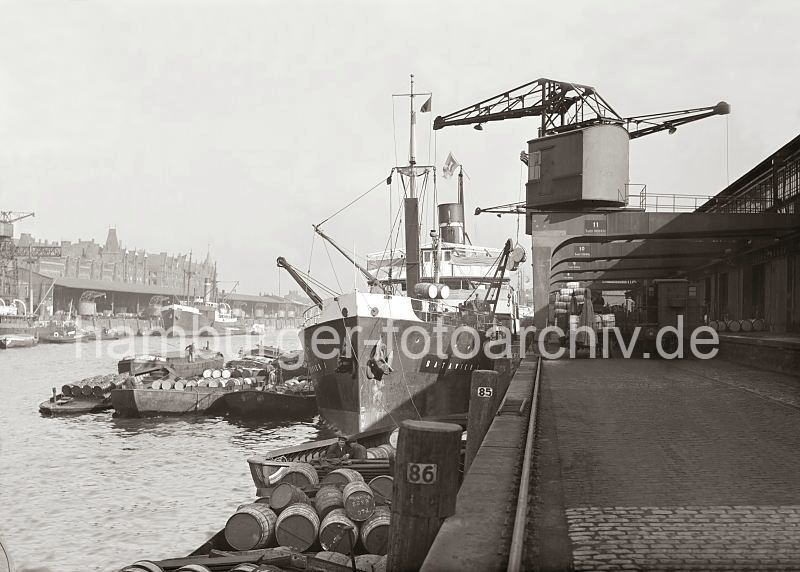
x: 10, y: 253
x: 565, y: 106
x: 565, y: 110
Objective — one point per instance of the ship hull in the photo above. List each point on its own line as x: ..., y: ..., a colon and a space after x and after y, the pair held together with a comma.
x: 150, y: 402
x: 421, y: 384
x: 179, y: 322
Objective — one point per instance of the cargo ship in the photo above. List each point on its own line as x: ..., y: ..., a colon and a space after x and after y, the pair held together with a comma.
x: 202, y: 319
x: 385, y: 355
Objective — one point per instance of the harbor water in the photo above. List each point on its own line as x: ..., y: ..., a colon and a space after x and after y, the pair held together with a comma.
x: 94, y: 492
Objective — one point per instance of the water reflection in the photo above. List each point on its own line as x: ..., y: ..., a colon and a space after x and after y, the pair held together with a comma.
x: 94, y: 492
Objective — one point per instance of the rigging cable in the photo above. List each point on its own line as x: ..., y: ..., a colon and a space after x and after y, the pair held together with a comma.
x: 351, y: 203
x: 333, y: 267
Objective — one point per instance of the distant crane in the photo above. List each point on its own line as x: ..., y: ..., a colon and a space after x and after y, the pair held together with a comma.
x: 10, y: 253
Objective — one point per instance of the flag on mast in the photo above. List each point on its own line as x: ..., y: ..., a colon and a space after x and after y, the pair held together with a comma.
x: 450, y: 166
x: 426, y: 107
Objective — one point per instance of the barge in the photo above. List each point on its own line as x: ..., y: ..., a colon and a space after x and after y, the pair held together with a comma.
x: 9, y: 341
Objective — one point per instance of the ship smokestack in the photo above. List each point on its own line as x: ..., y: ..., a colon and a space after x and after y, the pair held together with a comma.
x: 451, y: 223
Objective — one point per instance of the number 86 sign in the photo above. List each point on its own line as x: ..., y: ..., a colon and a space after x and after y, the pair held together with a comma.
x: 421, y: 473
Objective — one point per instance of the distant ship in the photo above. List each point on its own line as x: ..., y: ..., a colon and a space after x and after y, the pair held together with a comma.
x: 200, y: 319
x: 362, y: 379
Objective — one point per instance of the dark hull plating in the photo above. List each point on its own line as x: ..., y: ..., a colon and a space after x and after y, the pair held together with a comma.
x: 421, y: 384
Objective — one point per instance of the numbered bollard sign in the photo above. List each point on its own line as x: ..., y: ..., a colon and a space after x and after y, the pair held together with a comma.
x: 483, y: 402
x: 421, y: 473
x: 425, y: 488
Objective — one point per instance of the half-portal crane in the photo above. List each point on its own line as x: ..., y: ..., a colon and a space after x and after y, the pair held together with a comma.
x: 565, y: 106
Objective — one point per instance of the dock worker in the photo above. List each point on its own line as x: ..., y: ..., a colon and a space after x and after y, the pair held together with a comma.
x: 190, y: 351
x: 346, y: 448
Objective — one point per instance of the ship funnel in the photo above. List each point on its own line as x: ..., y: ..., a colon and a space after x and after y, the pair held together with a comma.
x: 451, y: 223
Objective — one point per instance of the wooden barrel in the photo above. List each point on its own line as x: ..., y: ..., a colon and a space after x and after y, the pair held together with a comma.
x: 193, y: 568
x: 747, y: 325
x: 203, y: 382
x: 382, y: 487
x: 99, y: 390
x: 66, y: 390
x: 179, y: 385
x: 167, y: 384
x: 213, y: 383
x: 252, y: 526
x: 381, y: 452
x: 301, y: 475
x: 233, y: 383
x: 733, y: 326
x: 190, y: 384
x: 721, y: 327
x: 359, y: 501
x: 156, y: 384
x: 86, y: 390
x: 328, y: 498
x: 375, y: 531
x: 342, y: 477
x: 216, y: 374
x: 367, y: 561
x: 393, y: 436
x: 297, y: 527
x: 142, y: 566
x: 713, y: 324
x: 286, y: 494
x: 333, y: 533
x: 206, y: 373
x: 226, y: 373
x: 758, y: 325
x: 334, y: 557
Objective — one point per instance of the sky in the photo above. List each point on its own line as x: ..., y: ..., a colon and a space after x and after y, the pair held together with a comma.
x: 232, y: 126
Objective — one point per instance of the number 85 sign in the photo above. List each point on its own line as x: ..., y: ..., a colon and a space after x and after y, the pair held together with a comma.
x: 421, y: 473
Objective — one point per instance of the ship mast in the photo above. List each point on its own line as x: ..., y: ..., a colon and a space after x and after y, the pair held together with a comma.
x: 411, y: 209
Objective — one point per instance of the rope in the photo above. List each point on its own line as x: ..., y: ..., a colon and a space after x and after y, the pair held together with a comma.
x: 333, y: 267
x: 358, y: 198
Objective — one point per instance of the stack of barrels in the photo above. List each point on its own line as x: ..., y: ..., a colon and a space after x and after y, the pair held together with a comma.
x: 745, y: 325
x: 97, y: 387
x: 338, y: 516
x: 181, y: 384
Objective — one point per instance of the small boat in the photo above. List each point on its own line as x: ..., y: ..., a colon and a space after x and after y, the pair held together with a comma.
x: 63, y: 335
x: 104, y: 334
x: 266, y: 351
x: 17, y: 341
x: 144, y: 402
x: 86, y: 396
x: 272, y: 403
x: 61, y: 405
x: 175, y: 363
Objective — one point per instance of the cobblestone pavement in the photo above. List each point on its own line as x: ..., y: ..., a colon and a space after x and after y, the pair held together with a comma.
x: 683, y: 464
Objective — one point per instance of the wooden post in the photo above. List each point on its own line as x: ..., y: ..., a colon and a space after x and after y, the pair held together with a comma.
x: 425, y: 488
x: 484, y: 396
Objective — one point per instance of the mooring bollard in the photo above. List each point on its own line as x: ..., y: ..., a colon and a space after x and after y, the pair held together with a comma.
x: 484, y: 397
x: 425, y: 489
